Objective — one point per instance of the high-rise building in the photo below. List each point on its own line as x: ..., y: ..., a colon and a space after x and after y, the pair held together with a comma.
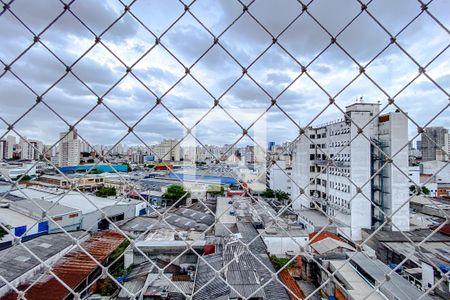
x: 434, y: 144
x: 9, y: 147
x: 2, y: 149
x: 37, y: 149
x: 168, y: 149
x: 342, y: 172
x: 69, y: 149
x: 30, y: 149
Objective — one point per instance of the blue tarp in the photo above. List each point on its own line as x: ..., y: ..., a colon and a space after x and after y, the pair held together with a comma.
x: 203, y: 178
x: 98, y: 168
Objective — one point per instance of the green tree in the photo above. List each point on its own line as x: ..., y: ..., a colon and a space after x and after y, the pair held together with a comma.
x: 24, y: 178
x: 268, y: 193
x: 105, y: 192
x: 418, y: 191
x: 425, y: 191
x: 280, y: 262
x: 281, y: 195
x: 174, y: 193
x: 106, y: 287
x: 217, y: 190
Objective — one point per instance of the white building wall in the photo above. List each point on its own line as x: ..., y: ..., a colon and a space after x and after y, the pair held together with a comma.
x: 439, y: 169
x: 360, y: 159
x: 301, y: 164
x: 10, y: 142
x: 279, y: 179
x: 398, y: 196
x: 414, y: 175
x: 278, y: 245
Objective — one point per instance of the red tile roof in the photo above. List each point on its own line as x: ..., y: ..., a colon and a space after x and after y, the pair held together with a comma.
x: 295, y: 292
x: 317, y: 237
x: 73, y: 268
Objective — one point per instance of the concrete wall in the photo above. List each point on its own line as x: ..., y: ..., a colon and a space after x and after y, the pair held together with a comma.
x: 277, y: 245
x: 89, y: 221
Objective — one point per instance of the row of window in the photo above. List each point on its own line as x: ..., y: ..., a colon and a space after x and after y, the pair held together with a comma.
x: 318, y: 136
x: 340, y: 131
x: 340, y: 172
x: 320, y: 146
x: 339, y: 144
x: 339, y: 201
x: 318, y: 181
x: 318, y: 169
x: 340, y: 186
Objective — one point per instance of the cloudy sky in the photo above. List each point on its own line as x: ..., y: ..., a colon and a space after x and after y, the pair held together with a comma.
x: 158, y: 71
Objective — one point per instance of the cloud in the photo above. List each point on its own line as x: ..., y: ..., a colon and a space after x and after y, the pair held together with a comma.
x: 244, y: 41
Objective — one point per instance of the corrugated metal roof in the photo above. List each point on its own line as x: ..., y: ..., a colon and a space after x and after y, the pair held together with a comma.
x: 74, y: 267
x: 217, y: 287
x: 329, y: 244
x: 10, y: 269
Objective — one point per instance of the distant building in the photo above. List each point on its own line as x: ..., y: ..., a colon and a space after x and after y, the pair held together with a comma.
x: 69, y: 149
x: 278, y: 177
x: 74, y: 210
x: 17, y: 169
x: 168, y: 150
x: 434, y: 144
x: 326, y: 157
x: 2, y: 149
x: 7, y: 147
x: 30, y: 149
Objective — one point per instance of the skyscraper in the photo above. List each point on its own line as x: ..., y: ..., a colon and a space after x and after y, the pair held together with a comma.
x: 168, y: 149
x: 69, y: 149
x: 434, y: 144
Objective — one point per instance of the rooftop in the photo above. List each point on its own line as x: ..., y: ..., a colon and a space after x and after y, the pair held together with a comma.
x: 15, y: 219
x: 86, y: 203
x: 35, y: 208
x: 397, y: 286
x: 16, y: 260
x: 73, y: 267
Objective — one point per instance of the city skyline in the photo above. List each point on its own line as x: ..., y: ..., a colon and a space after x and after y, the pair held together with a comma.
x: 217, y: 71
x: 225, y: 149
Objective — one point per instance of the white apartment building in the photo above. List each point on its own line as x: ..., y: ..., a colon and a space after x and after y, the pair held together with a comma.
x: 327, y: 159
x: 69, y: 149
x: 279, y: 177
x: 2, y: 149
x: 7, y: 147
x: 168, y: 150
x: 30, y: 149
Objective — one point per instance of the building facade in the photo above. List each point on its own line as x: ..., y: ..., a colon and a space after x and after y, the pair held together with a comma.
x: 7, y: 147
x: 168, y: 150
x: 347, y: 175
x: 434, y: 144
x: 278, y: 177
x: 69, y: 149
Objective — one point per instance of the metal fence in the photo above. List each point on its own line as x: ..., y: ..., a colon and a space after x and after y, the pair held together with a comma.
x: 241, y: 267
